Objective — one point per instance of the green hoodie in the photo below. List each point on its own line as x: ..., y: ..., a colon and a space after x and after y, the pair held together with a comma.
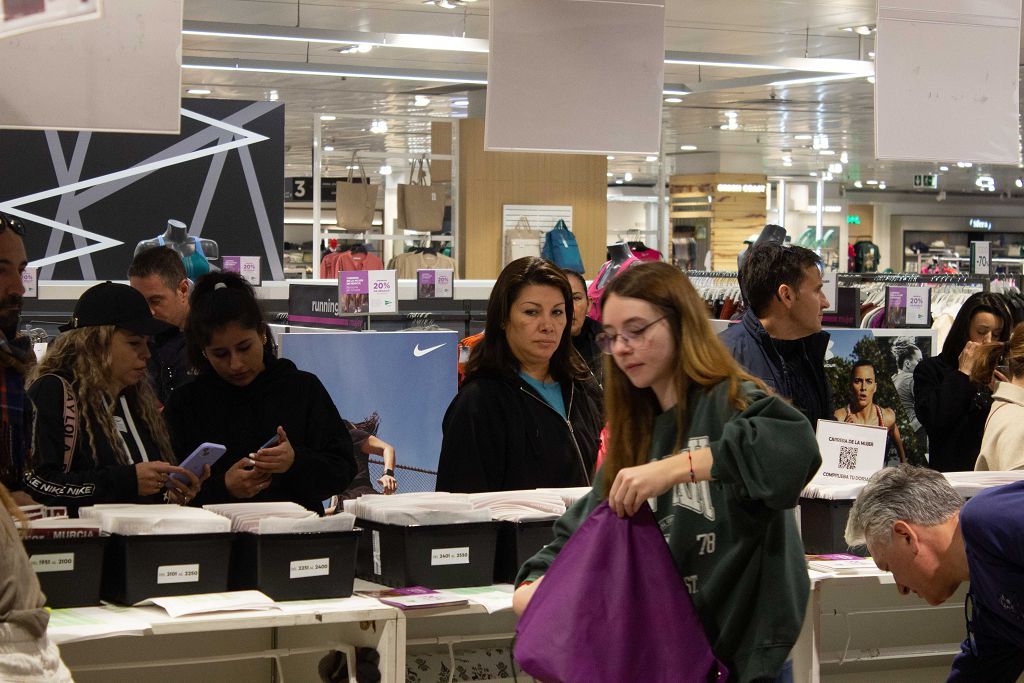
x: 734, y: 540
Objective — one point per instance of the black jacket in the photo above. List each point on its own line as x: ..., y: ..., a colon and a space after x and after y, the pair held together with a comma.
x: 754, y: 349
x: 953, y: 411
x: 95, y: 476
x: 586, y: 343
x: 168, y: 364
x: 243, y: 418
x: 500, y: 435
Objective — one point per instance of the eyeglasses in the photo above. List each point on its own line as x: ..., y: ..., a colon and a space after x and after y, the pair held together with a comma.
x: 13, y: 224
x: 633, y: 338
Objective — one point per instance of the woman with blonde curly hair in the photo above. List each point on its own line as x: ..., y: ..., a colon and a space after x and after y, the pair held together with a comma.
x: 99, y: 436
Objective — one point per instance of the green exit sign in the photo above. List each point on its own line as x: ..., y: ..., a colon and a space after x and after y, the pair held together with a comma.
x: 853, y: 220
x: 926, y: 181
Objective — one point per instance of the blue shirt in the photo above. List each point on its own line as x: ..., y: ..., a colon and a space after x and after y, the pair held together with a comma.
x: 551, y: 393
x: 993, y: 531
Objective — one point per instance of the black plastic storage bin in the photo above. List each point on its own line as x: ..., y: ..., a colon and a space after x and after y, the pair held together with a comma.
x: 141, y: 567
x: 823, y: 525
x: 435, y: 556
x: 295, y: 566
x: 518, y: 542
x: 69, y: 569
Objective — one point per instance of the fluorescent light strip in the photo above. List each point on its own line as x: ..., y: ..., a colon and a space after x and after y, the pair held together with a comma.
x: 218, y: 64
x: 334, y: 72
x: 731, y: 65
x: 818, y: 79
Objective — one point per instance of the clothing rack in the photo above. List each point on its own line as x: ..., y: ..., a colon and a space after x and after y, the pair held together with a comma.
x: 711, y: 273
x: 852, y: 279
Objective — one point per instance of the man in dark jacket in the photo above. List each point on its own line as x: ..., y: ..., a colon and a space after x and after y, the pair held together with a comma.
x: 159, y: 275
x: 15, y: 360
x: 780, y: 339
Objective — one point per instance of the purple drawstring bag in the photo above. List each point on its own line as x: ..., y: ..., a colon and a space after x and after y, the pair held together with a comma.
x: 613, y: 608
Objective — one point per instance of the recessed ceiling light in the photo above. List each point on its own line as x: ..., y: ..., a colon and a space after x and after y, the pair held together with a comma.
x: 827, y: 152
x: 628, y: 177
x: 618, y: 182
x: 881, y: 186
x: 273, y: 96
x: 673, y: 100
x: 650, y: 158
x: 803, y: 136
x: 447, y: 4
x: 384, y: 170
x: 858, y: 184
x: 835, y: 168
x: 610, y: 158
x: 421, y: 101
x: 462, y: 104
x: 328, y: 117
x: 328, y: 148
x: 943, y: 168
x: 964, y: 164
x: 871, y: 182
x: 813, y: 174
x: 844, y: 158
x: 688, y: 148
x: 787, y: 162
x: 198, y: 91
x: 610, y: 174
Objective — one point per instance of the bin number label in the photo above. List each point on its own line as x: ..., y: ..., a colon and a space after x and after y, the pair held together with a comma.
x: 53, y: 562
x: 300, y: 569
x: 449, y: 556
x: 177, y: 573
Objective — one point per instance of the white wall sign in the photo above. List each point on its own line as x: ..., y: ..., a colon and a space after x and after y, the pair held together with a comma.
x: 849, y: 452
x: 563, y: 76
x: 947, y: 61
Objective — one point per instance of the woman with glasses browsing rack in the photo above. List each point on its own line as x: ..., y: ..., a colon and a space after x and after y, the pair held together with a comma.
x: 524, y: 417
x: 722, y: 461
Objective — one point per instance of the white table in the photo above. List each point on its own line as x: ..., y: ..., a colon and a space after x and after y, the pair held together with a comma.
x: 237, y: 646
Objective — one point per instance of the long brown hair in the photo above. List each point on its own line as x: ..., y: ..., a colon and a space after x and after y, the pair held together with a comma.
x: 1012, y: 352
x: 83, y: 357
x: 699, y: 358
x: 12, y: 508
x: 493, y: 354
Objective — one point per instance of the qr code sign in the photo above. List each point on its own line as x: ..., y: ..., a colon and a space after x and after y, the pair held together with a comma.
x: 847, y: 458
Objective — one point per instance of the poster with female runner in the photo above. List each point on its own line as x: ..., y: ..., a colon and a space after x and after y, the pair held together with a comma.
x: 871, y: 373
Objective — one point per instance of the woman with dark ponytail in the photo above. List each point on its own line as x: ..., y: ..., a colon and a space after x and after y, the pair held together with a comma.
x: 1001, y: 444
x: 285, y: 439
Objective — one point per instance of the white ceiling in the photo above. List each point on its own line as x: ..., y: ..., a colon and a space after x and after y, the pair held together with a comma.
x: 768, y: 116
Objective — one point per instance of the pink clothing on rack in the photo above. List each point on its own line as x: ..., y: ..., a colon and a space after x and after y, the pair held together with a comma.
x: 647, y: 254
x: 350, y: 261
x: 598, y: 285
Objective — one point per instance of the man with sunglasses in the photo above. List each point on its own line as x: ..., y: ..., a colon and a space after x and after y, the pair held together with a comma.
x: 779, y: 338
x: 918, y: 527
x: 16, y: 358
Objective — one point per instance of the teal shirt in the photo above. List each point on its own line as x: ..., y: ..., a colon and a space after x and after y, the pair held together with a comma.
x: 550, y: 392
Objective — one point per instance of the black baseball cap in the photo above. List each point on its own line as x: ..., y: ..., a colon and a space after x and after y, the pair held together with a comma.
x: 111, y: 303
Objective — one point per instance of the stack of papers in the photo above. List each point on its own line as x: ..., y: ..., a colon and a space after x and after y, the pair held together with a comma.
x: 520, y: 506
x: 280, y: 518
x: 145, y: 520
x: 208, y: 603
x: 841, y: 563
x: 969, y: 484
x: 571, y: 494
x: 418, y: 509
x: 416, y: 597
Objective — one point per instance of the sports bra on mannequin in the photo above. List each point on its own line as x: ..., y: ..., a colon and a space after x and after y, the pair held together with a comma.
x: 622, y: 258
x: 195, y: 252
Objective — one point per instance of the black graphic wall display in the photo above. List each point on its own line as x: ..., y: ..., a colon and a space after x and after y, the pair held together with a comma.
x: 89, y: 198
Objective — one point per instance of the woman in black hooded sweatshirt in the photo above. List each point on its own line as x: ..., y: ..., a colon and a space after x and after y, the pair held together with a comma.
x: 952, y: 408
x: 285, y: 439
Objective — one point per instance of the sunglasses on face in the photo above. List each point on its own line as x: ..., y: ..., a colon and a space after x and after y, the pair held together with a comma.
x: 13, y: 224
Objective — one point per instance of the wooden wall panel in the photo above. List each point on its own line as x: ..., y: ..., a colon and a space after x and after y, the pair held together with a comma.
x: 489, y: 180
x: 734, y: 215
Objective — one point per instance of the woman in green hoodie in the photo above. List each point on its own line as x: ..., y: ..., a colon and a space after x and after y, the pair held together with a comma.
x: 721, y: 460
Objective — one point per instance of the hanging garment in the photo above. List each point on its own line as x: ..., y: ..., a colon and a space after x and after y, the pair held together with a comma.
x: 599, y: 283
x: 365, y: 261
x: 566, y: 634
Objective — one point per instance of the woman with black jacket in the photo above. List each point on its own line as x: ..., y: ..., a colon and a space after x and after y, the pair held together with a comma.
x: 952, y: 408
x: 524, y: 417
x: 98, y: 436
x: 285, y: 439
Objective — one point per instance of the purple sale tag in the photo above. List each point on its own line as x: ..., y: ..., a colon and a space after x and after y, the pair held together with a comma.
x: 232, y: 264
x: 354, y: 282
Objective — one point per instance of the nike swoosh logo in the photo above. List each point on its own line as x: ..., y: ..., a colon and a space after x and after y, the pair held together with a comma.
x: 422, y: 352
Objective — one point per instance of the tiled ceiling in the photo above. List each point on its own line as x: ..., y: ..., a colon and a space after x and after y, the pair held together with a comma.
x: 768, y: 117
